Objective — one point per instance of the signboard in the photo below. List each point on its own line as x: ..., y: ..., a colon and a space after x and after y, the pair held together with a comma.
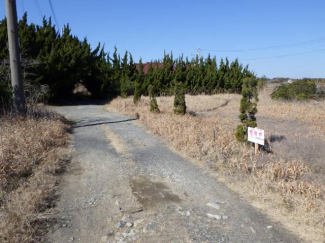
x: 256, y: 135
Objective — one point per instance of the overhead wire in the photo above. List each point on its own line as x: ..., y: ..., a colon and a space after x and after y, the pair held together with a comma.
x: 54, y: 15
x: 22, y: 4
x: 39, y: 8
x: 294, y: 54
x: 270, y: 47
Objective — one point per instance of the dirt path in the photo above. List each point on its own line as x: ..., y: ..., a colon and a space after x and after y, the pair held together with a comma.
x: 125, y: 185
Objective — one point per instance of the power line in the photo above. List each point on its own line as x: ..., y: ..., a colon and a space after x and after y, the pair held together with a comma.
x: 22, y: 4
x: 271, y: 47
x: 54, y: 15
x: 289, y: 55
x: 38, y: 8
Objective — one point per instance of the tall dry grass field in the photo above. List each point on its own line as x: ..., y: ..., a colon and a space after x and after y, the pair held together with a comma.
x: 288, y: 182
x: 31, y: 156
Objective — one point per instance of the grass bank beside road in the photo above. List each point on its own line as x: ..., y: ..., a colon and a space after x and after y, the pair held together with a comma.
x: 32, y: 154
x: 287, y: 183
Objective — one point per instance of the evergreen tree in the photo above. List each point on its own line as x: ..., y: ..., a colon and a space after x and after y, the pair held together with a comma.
x: 124, y: 85
x: 226, y: 77
x: 158, y: 78
x: 190, y: 76
x: 210, y: 78
x: 236, y: 76
x: 132, y: 70
x: 196, y: 79
x: 4, y: 51
x: 116, y: 72
x: 153, y: 101
x: 179, y: 99
x: 180, y: 72
x: 138, y: 83
x: 248, y: 107
x: 221, y: 75
x: 166, y: 75
x: 148, y: 80
x: 27, y: 37
x: 125, y: 76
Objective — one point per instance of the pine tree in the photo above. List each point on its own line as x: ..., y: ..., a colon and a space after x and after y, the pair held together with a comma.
x: 138, y: 83
x: 27, y: 37
x: 116, y: 72
x: 179, y: 99
x: 125, y: 76
x: 200, y: 76
x: 226, y: 77
x: 166, y: 74
x: 153, y: 101
x: 180, y: 72
x: 190, y: 76
x: 158, y: 78
x: 124, y: 85
x: 221, y: 76
x: 210, y: 78
x: 235, y: 77
x: 148, y: 80
x: 248, y: 107
x: 133, y: 74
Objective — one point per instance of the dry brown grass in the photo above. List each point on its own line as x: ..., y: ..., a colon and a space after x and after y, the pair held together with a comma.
x: 31, y: 156
x: 293, y: 196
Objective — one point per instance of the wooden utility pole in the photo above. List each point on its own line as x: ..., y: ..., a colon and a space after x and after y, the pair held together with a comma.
x: 14, y: 53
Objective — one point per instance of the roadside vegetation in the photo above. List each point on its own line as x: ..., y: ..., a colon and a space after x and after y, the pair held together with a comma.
x: 304, y: 89
x: 63, y: 62
x: 32, y: 155
x: 284, y: 180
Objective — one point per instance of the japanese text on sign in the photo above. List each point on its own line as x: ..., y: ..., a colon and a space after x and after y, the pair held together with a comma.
x: 256, y: 135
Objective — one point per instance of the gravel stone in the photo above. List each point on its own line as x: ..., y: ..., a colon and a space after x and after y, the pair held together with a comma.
x: 120, y: 224
x: 129, y: 224
x: 104, y: 239
x: 214, y: 216
x: 213, y: 205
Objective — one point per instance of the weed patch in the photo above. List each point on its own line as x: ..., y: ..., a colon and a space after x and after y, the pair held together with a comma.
x: 31, y: 156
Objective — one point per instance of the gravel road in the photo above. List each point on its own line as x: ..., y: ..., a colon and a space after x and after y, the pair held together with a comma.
x: 125, y: 185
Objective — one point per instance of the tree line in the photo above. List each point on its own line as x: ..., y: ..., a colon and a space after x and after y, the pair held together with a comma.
x: 60, y: 61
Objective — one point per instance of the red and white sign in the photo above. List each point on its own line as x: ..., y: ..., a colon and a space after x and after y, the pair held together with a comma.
x: 256, y: 135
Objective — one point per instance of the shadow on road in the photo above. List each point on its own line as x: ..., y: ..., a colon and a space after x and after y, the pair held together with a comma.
x: 101, y: 123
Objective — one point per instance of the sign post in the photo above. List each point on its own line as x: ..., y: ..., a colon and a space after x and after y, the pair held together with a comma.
x: 256, y: 136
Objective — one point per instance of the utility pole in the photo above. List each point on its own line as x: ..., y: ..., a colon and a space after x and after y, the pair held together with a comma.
x: 14, y: 53
x: 198, y: 54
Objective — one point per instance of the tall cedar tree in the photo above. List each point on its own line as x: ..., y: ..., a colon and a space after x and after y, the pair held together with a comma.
x: 125, y: 74
x: 248, y: 107
x: 116, y: 72
x: 138, y: 83
x: 166, y: 75
x: 148, y: 80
